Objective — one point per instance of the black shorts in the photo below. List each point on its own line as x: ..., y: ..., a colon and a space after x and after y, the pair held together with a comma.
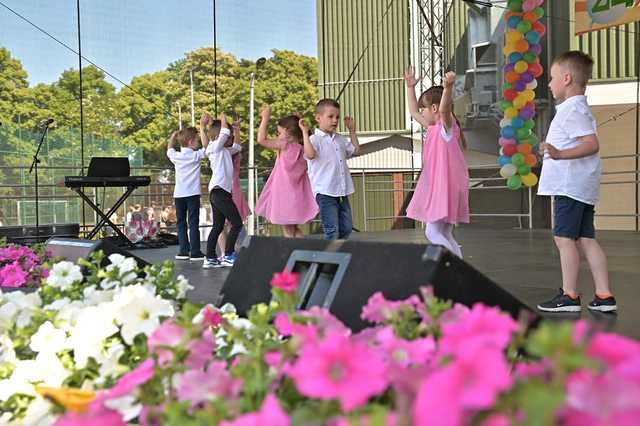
x: 573, y: 218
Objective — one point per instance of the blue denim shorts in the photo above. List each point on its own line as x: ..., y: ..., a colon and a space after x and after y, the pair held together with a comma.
x: 573, y: 218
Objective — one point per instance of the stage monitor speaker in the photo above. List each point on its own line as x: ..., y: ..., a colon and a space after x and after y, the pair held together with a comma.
x: 27, y: 234
x: 344, y: 284
x: 73, y: 249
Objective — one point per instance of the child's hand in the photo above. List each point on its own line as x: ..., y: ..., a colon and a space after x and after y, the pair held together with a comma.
x: 236, y: 124
x: 304, y: 126
x: 410, y: 77
x: 449, y: 79
x: 223, y: 120
x: 265, y: 113
x: 551, y: 150
x: 204, y: 120
x: 350, y: 124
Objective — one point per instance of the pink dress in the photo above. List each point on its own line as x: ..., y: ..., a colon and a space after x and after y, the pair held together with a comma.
x: 287, y: 198
x: 236, y: 190
x: 442, y: 191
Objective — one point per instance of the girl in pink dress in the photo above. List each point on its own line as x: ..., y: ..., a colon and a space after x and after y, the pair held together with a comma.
x: 441, y: 196
x: 287, y: 198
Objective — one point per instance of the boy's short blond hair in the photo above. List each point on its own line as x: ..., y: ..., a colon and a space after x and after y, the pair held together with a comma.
x: 580, y: 65
x: 186, y: 135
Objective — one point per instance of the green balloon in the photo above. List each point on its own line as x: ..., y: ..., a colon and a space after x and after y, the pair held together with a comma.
x: 515, y: 5
x: 524, y: 170
x: 529, y: 124
x: 514, y: 182
x: 503, y: 104
x: 534, y: 139
x: 524, y: 26
x: 523, y: 133
x: 507, y: 86
x: 539, y: 12
x: 529, y: 57
x: 517, y: 159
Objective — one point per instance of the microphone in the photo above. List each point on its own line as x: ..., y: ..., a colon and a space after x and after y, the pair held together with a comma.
x: 45, y: 123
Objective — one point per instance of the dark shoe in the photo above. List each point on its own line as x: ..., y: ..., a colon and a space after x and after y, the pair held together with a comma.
x: 561, y: 303
x: 607, y: 304
x: 211, y: 263
x: 196, y: 256
x: 182, y: 256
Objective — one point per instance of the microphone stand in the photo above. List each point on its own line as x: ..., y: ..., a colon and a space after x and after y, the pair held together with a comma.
x: 34, y: 165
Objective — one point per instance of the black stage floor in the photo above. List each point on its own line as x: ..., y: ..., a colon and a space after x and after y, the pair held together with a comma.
x: 524, y: 262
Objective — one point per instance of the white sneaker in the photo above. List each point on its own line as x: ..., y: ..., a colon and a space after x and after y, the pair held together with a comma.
x: 211, y: 263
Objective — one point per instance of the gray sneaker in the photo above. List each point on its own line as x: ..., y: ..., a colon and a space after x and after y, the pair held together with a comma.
x: 561, y: 303
x: 211, y: 263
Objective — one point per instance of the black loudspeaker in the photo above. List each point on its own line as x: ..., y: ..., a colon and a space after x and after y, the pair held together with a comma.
x: 348, y: 273
x: 28, y: 234
x: 73, y: 249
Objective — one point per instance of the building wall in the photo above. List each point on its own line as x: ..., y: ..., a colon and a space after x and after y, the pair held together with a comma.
x: 375, y: 95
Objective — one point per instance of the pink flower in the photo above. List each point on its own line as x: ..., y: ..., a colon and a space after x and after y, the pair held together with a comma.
x: 12, y: 275
x: 525, y: 370
x: 337, y: 368
x: 471, y: 382
x: 404, y: 352
x: 96, y: 415
x: 169, y: 334
x: 601, y: 399
x: 285, y: 280
x: 151, y: 416
x: 613, y: 348
x: 391, y: 419
x: 454, y: 314
x: 286, y: 327
x: 130, y: 381
x: 481, y: 326
x: 497, y: 420
x: 201, y: 350
x: 199, y: 386
x: 378, y: 309
x: 212, y: 317
x: 270, y: 414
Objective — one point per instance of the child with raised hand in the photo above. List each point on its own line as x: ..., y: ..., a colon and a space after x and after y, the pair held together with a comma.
x: 186, y: 193
x: 326, y: 152
x: 220, y: 151
x: 287, y: 198
x: 571, y: 173
x: 441, y: 196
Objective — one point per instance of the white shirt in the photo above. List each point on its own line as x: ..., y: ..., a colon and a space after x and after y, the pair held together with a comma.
x: 578, y: 178
x: 221, y: 162
x: 187, y: 164
x: 328, y: 171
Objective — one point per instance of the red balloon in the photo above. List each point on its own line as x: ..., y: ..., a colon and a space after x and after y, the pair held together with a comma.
x: 539, y: 28
x: 509, y: 150
x: 536, y: 69
x: 510, y: 94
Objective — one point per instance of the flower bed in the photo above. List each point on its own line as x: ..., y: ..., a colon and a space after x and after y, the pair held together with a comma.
x: 22, y: 266
x: 116, y: 349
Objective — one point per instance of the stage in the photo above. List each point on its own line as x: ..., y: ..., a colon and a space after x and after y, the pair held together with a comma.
x: 524, y: 262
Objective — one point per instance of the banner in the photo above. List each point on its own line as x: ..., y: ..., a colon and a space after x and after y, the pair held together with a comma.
x: 593, y: 15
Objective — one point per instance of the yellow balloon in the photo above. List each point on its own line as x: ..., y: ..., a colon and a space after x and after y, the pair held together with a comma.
x: 529, y: 180
x: 529, y: 95
x: 508, y: 49
x: 519, y: 102
x: 513, y: 36
x: 520, y: 67
x: 511, y: 112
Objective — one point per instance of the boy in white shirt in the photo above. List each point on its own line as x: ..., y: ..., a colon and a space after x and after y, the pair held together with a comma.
x: 571, y: 174
x: 219, y: 150
x: 186, y: 193
x: 326, y: 152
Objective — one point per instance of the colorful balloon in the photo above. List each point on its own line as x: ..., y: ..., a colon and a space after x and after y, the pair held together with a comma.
x: 529, y: 180
x: 513, y: 36
x: 503, y: 159
x: 517, y: 122
x: 539, y: 12
x: 523, y: 133
x: 508, y: 132
x: 530, y: 160
x: 514, y: 182
x: 524, y: 148
x: 511, y: 112
x: 505, y: 141
x: 520, y: 85
x: 508, y: 170
x: 513, y: 21
x: 524, y: 27
x: 520, y: 67
x: 524, y: 170
x: 532, y: 37
x: 521, y: 46
x: 517, y: 159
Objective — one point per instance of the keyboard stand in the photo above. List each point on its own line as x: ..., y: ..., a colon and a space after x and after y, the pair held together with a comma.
x: 104, y: 218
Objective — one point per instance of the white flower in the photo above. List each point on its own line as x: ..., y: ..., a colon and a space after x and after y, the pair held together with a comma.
x: 68, y: 315
x: 140, y: 311
x: 126, y: 405
x: 125, y: 267
x: 48, y: 339
x: 64, y: 274
x: 26, y: 305
x: 92, y: 296
x: 93, y: 325
x: 7, y: 354
x: 109, y: 363
x: 38, y: 413
x: 48, y: 370
x: 58, y: 304
x: 8, y: 313
x: 182, y: 286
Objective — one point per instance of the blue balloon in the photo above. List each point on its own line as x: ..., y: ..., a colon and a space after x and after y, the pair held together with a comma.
x: 503, y: 160
x: 517, y: 122
x: 513, y: 21
x: 533, y: 37
x: 508, y: 132
x: 515, y: 57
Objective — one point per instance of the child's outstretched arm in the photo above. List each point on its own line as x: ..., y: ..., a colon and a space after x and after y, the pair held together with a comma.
x: 411, y: 81
x: 589, y: 145
x: 446, y: 103
x: 263, y: 137
x: 350, y: 124
x: 172, y: 141
x: 204, y: 121
x: 235, y: 147
x: 309, y: 150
